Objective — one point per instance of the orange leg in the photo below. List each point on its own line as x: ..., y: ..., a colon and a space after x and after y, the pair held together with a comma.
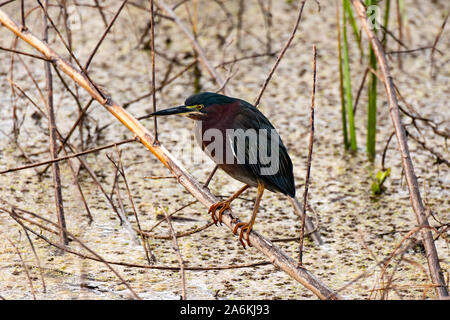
x: 249, y: 225
x: 224, y: 205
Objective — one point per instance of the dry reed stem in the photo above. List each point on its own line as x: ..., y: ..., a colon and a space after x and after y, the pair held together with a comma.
x: 48, y: 223
x: 44, y: 287
x: 201, y: 53
x: 88, y: 62
x: 19, y: 220
x: 309, y: 161
x: 178, y: 252
x: 37, y: 164
x: 280, y: 56
x: 149, y: 255
x: 52, y: 139
x: 152, y: 47
x: 24, y: 266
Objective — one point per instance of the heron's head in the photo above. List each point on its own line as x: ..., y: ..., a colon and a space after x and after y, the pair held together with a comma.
x: 200, y: 106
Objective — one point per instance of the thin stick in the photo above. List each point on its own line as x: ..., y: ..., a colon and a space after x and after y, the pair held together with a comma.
x: 441, y: 29
x: 121, y: 211
x: 19, y: 219
x: 149, y: 255
x: 211, y: 175
x: 24, y: 266
x: 77, y: 184
x: 25, y: 54
x: 44, y: 287
x: 308, y: 165
x: 413, y: 50
x: 22, y: 14
x: 52, y: 139
x: 88, y: 62
x: 361, y: 86
x: 415, y: 198
x: 152, y: 47
x: 100, y: 10
x: 162, y: 86
x: 275, y: 254
x: 48, y: 223
x: 180, y: 258
x: 195, y: 44
x: 400, y: 30
x: 383, y: 157
x: 280, y: 56
x: 37, y: 164
x: 6, y: 2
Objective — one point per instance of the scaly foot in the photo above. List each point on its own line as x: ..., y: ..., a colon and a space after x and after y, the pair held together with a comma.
x: 223, y: 205
x: 244, y: 226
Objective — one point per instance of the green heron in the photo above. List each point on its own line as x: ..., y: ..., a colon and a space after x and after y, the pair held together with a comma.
x: 243, y: 143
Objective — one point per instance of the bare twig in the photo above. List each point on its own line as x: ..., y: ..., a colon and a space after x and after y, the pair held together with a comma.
x: 25, y: 267
x: 52, y: 139
x: 436, y: 40
x: 88, y: 62
x: 37, y: 164
x: 152, y: 41
x: 308, y: 165
x: 211, y: 175
x: 44, y: 287
x: 19, y: 219
x: 400, y: 30
x: 127, y: 104
x: 48, y: 223
x: 25, y: 54
x: 423, y: 143
x: 100, y: 10
x: 195, y: 44
x: 280, y: 56
x: 149, y: 255
x: 383, y: 157
x: 361, y: 86
x: 180, y: 258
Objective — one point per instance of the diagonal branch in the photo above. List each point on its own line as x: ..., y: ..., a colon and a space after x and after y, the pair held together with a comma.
x: 265, y: 246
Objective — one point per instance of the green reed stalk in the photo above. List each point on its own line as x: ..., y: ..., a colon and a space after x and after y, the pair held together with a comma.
x: 372, y: 107
x: 347, y: 81
x: 372, y: 98
x: 351, y: 19
x: 341, y: 79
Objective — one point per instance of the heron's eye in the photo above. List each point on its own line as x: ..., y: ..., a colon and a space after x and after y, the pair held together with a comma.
x: 200, y: 107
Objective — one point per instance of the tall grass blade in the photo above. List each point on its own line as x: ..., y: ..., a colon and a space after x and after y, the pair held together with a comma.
x: 341, y: 78
x: 347, y: 82
x: 351, y: 19
x: 372, y: 99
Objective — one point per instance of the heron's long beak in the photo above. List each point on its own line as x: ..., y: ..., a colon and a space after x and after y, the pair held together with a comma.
x: 174, y: 110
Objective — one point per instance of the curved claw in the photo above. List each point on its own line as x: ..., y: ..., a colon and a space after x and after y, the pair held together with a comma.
x: 223, y: 205
x: 244, y: 226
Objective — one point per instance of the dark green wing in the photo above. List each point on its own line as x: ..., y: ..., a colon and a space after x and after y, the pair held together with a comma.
x: 265, y: 156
